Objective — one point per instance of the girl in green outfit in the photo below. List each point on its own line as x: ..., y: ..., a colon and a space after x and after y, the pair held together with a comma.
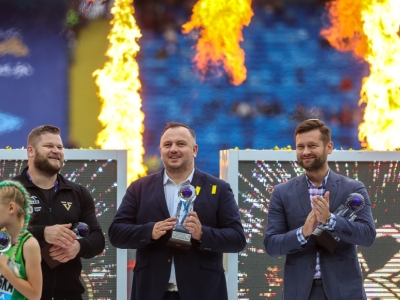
x: 20, y: 271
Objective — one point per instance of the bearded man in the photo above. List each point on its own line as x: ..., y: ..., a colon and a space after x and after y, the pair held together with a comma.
x: 57, y: 204
x: 301, y: 204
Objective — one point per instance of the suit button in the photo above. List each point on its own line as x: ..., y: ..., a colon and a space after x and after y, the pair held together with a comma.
x: 169, y: 260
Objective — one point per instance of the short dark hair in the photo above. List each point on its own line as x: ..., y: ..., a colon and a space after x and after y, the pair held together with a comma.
x: 35, y: 134
x: 312, y: 124
x: 177, y: 124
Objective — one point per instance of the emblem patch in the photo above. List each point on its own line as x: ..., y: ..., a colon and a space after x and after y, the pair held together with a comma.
x: 67, y: 205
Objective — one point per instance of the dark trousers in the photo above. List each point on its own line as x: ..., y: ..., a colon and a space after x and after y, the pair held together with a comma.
x: 171, y: 296
x: 317, y: 292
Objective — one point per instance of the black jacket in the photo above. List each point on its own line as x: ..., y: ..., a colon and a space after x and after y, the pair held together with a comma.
x: 71, y: 203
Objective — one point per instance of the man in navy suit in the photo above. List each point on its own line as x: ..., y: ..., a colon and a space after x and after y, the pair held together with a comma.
x: 146, y: 217
x: 299, y: 205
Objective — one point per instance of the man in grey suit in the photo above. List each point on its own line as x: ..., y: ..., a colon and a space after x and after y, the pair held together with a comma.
x: 299, y: 205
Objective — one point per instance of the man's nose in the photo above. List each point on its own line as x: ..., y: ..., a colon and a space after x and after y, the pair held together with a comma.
x: 306, y: 150
x: 55, y: 149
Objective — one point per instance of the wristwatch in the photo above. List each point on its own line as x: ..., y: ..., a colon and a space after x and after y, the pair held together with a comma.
x: 328, y: 219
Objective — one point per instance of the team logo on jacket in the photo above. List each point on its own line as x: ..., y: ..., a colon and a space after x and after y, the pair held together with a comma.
x: 67, y: 205
x: 34, y: 204
x: 34, y: 200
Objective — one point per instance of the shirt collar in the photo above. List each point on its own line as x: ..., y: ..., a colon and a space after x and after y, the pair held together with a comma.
x: 166, y: 178
x: 323, y: 183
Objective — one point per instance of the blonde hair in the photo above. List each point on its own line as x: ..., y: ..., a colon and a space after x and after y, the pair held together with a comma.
x: 12, y: 191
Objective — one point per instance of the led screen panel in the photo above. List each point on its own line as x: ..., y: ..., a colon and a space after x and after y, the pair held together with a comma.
x: 261, y: 276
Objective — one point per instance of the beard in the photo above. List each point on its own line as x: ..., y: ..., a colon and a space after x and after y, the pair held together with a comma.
x: 315, y: 165
x: 43, y: 165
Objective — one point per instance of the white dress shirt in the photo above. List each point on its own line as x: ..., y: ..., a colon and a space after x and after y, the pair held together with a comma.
x: 171, y: 196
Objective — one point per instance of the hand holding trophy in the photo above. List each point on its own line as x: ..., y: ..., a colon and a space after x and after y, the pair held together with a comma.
x: 180, y: 236
x: 327, y: 240
x: 80, y: 229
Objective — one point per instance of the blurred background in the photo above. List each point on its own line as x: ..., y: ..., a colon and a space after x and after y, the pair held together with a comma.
x: 50, y: 49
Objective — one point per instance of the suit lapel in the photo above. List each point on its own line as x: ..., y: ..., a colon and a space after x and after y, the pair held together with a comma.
x: 198, y: 182
x: 304, y: 195
x: 332, y: 186
x: 158, y: 187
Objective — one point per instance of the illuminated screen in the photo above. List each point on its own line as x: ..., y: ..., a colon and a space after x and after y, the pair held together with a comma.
x: 261, y: 276
x: 100, y: 178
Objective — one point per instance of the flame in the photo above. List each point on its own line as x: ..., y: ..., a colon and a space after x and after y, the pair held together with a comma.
x: 118, y: 83
x: 220, y: 23
x: 370, y: 28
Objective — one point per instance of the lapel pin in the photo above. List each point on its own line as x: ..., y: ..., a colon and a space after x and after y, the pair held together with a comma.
x: 214, y: 189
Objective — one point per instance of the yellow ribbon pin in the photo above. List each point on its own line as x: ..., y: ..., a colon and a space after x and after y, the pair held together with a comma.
x: 214, y: 189
x: 197, y: 190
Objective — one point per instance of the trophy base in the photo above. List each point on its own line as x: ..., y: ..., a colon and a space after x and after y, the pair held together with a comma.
x: 324, y: 239
x: 180, y: 238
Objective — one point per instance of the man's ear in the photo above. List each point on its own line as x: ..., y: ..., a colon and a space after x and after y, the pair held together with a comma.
x: 329, y: 147
x: 31, y: 151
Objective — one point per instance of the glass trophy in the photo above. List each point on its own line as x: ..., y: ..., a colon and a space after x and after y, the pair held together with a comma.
x: 180, y: 236
x: 81, y: 229
x: 5, y: 241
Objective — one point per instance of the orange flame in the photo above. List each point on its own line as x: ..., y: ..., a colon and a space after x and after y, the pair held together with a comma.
x: 220, y: 23
x: 118, y: 83
x: 370, y: 28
